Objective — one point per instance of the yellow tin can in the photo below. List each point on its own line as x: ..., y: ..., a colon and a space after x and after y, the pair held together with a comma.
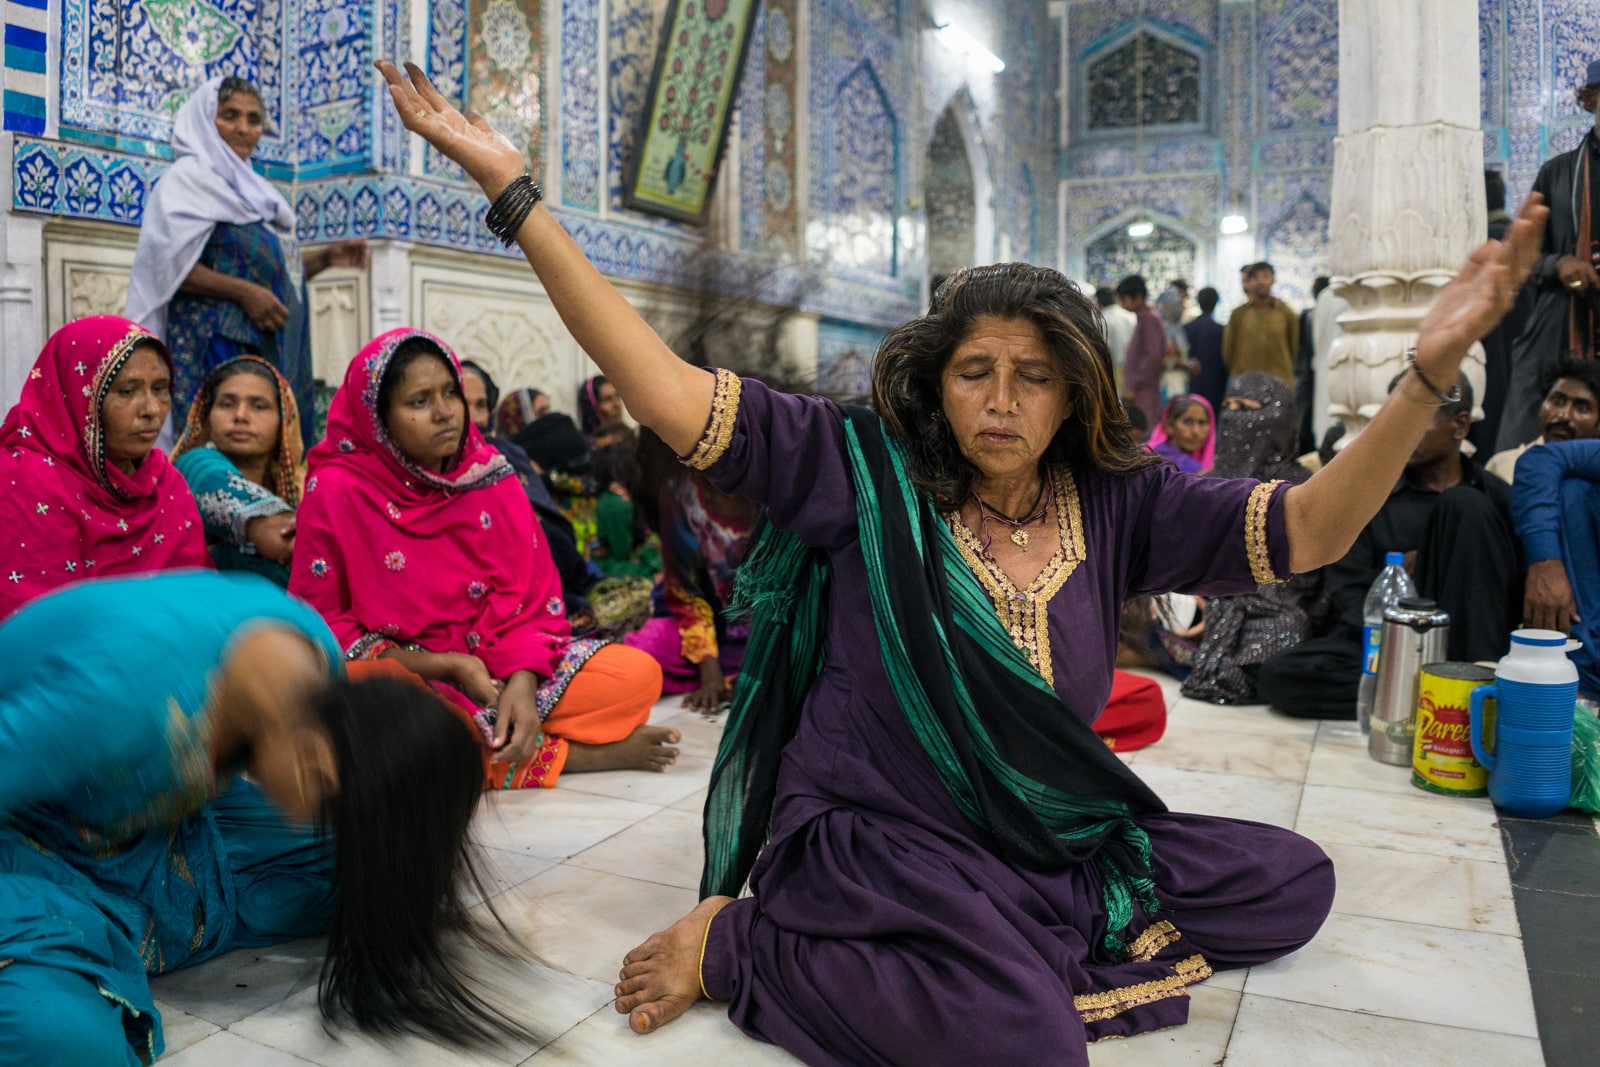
x: 1441, y: 752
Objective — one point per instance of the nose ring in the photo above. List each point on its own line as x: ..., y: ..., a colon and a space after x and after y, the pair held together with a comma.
x: 1015, y: 406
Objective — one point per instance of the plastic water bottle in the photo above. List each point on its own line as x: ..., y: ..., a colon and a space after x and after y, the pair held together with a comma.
x: 1392, y: 584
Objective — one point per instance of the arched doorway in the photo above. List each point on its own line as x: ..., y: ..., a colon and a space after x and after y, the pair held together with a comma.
x: 951, y: 199
x: 1161, y: 256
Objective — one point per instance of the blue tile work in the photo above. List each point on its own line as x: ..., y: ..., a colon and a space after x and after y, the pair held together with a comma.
x: 752, y: 160
x: 1297, y: 247
x: 447, y: 68
x: 580, y: 105
x: 633, y: 36
x: 1300, y: 56
x: 844, y: 359
x: 334, y: 76
x: 128, y: 65
x: 1143, y: 78
x: 859, y: 84
x: 1163, y: 257
x: 393, y: 149
x: 23, y: 88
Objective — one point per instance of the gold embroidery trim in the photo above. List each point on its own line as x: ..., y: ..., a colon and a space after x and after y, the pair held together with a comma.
x: 1255, y: 534
x: 719, y: 429
x: 1025, y: 613
x: 1156, y: 937
x: 1094, y: 1007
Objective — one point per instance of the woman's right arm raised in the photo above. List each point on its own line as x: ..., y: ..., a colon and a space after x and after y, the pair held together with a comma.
x: 661, y: 390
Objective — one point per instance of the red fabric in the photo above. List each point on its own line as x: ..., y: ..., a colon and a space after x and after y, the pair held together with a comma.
x: 452, y: 562
x: 65, y: 513
x: 1135, y: 715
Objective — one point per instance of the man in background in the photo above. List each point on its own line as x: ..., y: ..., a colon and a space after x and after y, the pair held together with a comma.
x: 1205, y: 350
x: 1263, y: 333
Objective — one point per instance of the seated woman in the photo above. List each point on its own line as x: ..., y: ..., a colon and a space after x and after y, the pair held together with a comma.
x: 85, y: 491
x: 417, y: 544
x: 1260, y: 434
x: 1187, y: 434
x: 241, y: 455
x: 908, y: 784
x: 519, y: 409
x: 131, y: 845
x: 622, y: 547
x: 599, y: 404
x: 704, y: 535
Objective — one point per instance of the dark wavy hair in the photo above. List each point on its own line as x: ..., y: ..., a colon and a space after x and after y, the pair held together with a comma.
x: 907, y: 392
x: 410, y: 779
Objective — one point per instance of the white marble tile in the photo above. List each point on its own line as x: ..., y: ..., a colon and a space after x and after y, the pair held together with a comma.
x: 696, y: 752
x: 553, y: 823
x: 1451, y: 891
x: 1406, y: 971
x: 1203, y: 1039
x: 548, y: 1002
x: 1192, y: 745
x: 1241, y: 719
x: 695, y: 802
x: 225, y: 1048
x: 701, y: 1036
x: 240, y: 983
x: 501, y: 869
x: 1340, y: 758
x: 666, y: 848
x: 1231, y: 795
x: 585, y: 921
x: 1231, y: 980
x: 1406, y: 822
x: 1271, y: 1033
x: 179, y: 1029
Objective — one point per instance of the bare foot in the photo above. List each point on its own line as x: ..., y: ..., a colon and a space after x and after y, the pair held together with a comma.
x: 661, y: 978
x: 648, y: 748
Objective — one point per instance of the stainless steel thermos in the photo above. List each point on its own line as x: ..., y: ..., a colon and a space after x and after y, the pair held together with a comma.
x: 1415, y: 633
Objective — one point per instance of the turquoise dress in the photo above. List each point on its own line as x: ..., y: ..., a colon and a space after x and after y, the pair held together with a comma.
x: 118, y: 858
x: 228, y: 501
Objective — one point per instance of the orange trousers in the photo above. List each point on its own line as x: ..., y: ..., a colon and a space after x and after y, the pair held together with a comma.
x: 608, y: 699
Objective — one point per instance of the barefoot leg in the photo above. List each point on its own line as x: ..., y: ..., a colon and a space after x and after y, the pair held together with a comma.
x: 661, y: 978
x: 648, y: 748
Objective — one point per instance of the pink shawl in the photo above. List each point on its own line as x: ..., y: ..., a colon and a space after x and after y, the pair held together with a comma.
x: 1208, y: 451
x: 65, y: 513
x: 389, y: 551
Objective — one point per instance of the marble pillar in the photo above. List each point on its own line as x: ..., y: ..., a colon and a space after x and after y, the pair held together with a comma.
x: 1408, y: 198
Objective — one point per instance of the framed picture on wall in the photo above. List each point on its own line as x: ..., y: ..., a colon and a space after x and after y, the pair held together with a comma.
x: 685, y: 123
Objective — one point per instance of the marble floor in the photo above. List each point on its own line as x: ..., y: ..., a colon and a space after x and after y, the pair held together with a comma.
x: 1421, y: 961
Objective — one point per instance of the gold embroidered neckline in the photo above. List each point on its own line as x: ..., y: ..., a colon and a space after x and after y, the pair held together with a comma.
x: 1025, y: 613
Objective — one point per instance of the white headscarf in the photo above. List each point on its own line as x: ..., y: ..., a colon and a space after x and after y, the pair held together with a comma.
x: 207, y: 183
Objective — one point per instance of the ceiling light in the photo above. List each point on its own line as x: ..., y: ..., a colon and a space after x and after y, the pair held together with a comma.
x: 960, y: 41
x: 1232, y: 224
x: 1142, y: 228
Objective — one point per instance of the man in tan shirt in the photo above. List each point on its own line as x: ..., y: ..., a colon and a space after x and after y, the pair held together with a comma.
x: 1262, y: 333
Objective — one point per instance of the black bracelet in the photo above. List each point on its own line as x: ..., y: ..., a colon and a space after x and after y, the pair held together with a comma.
x: 510, y: 209
x: 1452, y: 397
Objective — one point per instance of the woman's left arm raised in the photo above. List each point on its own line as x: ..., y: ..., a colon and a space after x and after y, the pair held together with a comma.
x: 1324, y: 515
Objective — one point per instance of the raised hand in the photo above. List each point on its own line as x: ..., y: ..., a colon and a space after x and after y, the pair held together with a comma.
x: 487, y: 157
x: 1480, y: 295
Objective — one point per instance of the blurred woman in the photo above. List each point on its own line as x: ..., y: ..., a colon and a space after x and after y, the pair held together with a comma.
x: 1187, y: 434
x: 132, y: 844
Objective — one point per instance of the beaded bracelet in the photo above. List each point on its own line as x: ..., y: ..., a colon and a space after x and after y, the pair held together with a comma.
x: 511, y: 208
x: 1452, y: 397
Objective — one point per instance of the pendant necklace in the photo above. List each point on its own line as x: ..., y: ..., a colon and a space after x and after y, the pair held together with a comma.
x: 1019, y: 535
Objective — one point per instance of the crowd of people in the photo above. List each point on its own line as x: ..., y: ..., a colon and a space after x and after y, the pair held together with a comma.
x: 284, y: 636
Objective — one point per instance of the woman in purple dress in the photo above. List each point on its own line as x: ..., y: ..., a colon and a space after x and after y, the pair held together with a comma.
x: 925, y: 838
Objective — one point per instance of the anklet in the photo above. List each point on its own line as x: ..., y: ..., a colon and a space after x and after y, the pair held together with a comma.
x: 700, y: 972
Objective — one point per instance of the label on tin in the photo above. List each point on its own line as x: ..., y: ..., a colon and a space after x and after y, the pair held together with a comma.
x: 1442, y: 759
x: 1371, y: 642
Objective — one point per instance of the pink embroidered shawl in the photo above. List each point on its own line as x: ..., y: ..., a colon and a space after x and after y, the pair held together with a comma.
x: 65, y: 513
x: 452, y: 562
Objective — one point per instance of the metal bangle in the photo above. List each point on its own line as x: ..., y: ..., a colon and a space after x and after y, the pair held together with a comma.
x: 1452, y: 397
